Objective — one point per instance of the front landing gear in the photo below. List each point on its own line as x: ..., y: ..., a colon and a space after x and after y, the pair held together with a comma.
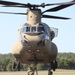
x: 16, y: 66
x: 50, y: 72
x: 32, y: 70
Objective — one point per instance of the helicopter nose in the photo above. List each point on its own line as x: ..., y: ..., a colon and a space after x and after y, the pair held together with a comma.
x: 37, y: 40
x: 34, y: 39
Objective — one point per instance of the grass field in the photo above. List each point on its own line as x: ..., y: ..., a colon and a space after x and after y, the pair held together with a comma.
x: 57, y: 72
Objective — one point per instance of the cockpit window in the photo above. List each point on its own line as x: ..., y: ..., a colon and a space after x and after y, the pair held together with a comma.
x: 41, y: 29
x: 25, y: 29
x: 33, y: 29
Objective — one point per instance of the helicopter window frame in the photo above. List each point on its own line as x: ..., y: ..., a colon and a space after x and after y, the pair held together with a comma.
x: 41, y: 29
x: 26, y: 29
x: 33, y: 29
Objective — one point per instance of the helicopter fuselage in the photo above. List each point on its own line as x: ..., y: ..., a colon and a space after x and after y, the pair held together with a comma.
x: 35, y: 44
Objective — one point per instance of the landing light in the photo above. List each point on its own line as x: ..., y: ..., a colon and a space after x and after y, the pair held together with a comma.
x: 29, y: 50
x: 38, y: 50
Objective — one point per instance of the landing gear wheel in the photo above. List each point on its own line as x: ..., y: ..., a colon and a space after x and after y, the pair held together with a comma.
x: 18, y: 66
x: 35, y: 69
x: 50, y: 72
x: 54, y: 65
x: 30, y: 71
x: 14, y: 65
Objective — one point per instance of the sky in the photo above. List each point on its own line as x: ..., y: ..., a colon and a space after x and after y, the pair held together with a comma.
x: 9, y: 25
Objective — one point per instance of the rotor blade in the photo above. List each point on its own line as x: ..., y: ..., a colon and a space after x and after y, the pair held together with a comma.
x: 13, y: 13
x: 9, y: 3
x: 57, y: 8
x: 63, y: 3
x: 54, y: 17
x: 61, y: 6
x: 15, y: 4
x: 21, y: 6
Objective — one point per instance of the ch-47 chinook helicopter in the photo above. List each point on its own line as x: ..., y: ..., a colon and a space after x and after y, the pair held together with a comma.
x: 35, y: 44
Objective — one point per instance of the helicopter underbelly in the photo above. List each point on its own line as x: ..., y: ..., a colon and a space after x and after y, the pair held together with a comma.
x: 28, y: 54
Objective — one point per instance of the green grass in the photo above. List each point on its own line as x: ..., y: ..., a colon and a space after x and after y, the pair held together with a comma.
x: 57, y: 72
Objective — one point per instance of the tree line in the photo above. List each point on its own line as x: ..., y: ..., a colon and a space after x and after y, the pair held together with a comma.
x: 65, y: 61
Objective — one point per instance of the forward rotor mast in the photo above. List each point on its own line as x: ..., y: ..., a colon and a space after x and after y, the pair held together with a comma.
x: 33, y: 16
